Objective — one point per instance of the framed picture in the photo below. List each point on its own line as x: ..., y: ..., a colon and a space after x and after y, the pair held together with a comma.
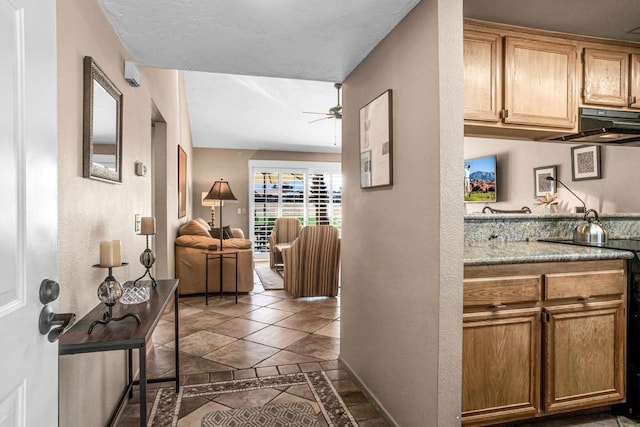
x: 585, y: 162
x: 182, y: 183
x: 376, y: 142
x: 480, y: 179
x: 540, y: 185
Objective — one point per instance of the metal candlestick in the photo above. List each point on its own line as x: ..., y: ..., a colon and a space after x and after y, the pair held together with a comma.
x: 109, y: 292
x: 147, y: 258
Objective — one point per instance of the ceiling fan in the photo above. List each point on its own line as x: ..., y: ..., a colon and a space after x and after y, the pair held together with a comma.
x: 334, y: 112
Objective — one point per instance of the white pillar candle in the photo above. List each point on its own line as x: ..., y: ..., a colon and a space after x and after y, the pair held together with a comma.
x: 106, y: 253
x: 116, y: 247
x: 148, y: 225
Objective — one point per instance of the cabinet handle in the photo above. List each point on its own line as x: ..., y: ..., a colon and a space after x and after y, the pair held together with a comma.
x: 498, y: 306
x: 632, y: 100
x: 585, y: 299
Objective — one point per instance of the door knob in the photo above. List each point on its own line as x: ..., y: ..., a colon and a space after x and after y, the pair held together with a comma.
x: 49, y: 291
x: 48, y: 318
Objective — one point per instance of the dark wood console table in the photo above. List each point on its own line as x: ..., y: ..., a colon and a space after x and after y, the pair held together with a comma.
x: 127, y: 335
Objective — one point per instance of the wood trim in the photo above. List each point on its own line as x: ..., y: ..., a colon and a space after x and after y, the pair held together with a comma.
x: 539, y: 268
x: 514, y: 29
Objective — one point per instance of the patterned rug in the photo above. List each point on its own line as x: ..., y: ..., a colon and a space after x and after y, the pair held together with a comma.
x: 271, y: 280
x: 167, y: 404
x: 296, y: 414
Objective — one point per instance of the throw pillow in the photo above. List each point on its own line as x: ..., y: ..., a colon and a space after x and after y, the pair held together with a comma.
x: 194, y: 228
x: 226, y: 232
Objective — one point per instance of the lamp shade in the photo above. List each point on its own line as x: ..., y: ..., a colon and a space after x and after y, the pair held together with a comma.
x: 220, y: 191
x: 209, y: 202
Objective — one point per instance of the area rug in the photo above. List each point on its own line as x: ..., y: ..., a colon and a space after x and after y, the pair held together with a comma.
x: 270, y: 279
x: 167, y: 404
x: 295, y: 414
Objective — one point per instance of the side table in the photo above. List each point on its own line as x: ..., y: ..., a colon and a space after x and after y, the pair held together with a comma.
x: 220, y: 255
x: 128, y: 335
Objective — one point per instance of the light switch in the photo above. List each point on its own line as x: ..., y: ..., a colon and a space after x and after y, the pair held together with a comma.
x: 137, y: 223
x: 239, y: 211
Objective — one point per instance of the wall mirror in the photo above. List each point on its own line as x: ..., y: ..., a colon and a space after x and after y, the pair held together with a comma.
x: 102, y: 125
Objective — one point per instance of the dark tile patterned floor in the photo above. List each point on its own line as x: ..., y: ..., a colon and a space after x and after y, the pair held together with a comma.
x: 267, y: 333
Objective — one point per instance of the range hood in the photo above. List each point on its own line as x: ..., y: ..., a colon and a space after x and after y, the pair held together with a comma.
x: 606, y: 127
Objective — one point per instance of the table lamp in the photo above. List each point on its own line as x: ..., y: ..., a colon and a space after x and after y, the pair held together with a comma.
x: 220, y: 191
x: 213, y: 204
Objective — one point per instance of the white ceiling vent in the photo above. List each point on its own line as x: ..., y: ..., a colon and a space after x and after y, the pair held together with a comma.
x: 132, y: 74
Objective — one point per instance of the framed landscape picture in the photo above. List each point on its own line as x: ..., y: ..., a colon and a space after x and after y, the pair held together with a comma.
x: 480, y: 180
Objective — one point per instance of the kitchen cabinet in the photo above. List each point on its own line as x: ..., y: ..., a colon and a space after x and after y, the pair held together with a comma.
x: 514, y: 82
x: 605, y: 77
x: 539, y: 83
x: 584, y: 338
x: 482, y: 76
x: 634, y: 98
x: 542, y: 339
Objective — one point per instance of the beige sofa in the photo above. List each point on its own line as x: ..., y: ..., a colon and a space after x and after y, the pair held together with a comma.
x: 193, y: 239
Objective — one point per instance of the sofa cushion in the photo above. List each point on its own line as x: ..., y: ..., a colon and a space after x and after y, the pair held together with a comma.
x: 193, y: 228
x: 226, y: 232
x: 202, y: 242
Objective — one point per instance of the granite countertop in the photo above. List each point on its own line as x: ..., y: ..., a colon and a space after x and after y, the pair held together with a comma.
x: 498, y: 252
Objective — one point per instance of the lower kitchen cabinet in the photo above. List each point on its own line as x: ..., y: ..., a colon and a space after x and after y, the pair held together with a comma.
x: 542, y: 339
x: 501, y: 365
x: 584, y: 357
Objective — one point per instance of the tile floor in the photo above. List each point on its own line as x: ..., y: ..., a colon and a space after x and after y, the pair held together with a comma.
x: 267, y: 333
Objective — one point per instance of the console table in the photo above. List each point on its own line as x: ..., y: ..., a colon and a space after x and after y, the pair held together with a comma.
x: 127, y: 335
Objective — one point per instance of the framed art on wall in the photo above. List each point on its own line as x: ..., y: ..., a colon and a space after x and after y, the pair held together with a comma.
x: 182, y: 183
x: 585, y: 162
x: 540, y: 185
x: 376, y: 142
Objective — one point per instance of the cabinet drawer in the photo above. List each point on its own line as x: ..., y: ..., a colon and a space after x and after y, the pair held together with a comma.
x: 584, y: 284
x: 502, y: 290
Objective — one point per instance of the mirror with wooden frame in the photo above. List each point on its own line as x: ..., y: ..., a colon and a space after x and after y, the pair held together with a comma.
x: 102, y: 125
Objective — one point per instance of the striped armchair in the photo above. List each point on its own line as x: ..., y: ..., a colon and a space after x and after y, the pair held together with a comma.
x: 285, y: 230
x: 312, y: 263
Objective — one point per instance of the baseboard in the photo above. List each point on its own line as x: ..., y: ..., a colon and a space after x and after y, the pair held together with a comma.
x: 370, y: 396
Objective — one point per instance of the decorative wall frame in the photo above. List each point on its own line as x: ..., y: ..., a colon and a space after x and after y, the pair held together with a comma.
x: 376, y: 142
x: 101, y: 125
x: 540, y: 185
x: 182, y: 183
x: 585, y: 162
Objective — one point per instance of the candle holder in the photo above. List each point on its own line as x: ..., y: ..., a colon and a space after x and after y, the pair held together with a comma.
x: 147, y: 258
x: 109, y: 292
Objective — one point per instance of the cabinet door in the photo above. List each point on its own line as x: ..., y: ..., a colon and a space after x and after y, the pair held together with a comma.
x: 605, y: 77
x: 500, y: 365
x: 482, y: 76
x: 584, y: 355
x: 634, y: 99
x: 540, y: 83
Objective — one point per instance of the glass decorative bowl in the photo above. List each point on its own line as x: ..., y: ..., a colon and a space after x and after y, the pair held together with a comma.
x: 134, y: 294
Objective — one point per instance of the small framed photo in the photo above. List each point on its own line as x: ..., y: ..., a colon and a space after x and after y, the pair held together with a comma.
x: 540, y: 184
x: 585, y: 162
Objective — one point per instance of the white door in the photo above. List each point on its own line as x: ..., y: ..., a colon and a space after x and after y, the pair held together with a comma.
x: 28, y: 215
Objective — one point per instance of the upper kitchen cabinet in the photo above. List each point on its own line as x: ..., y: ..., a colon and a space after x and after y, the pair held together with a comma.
x: 634, y: 99
x: 606, y: 76
x: 482, y: 76
x: 539, y: 83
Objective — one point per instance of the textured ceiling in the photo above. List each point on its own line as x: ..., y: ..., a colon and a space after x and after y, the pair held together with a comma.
x: 222, y: 44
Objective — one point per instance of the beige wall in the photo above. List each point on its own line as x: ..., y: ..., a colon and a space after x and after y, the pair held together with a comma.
x: 516, y: 160
x: 401, y: 311
x: 211, y: 164
x: 91, y: 211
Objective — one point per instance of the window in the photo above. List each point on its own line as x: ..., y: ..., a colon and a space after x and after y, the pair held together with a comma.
x: 309, y: 191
